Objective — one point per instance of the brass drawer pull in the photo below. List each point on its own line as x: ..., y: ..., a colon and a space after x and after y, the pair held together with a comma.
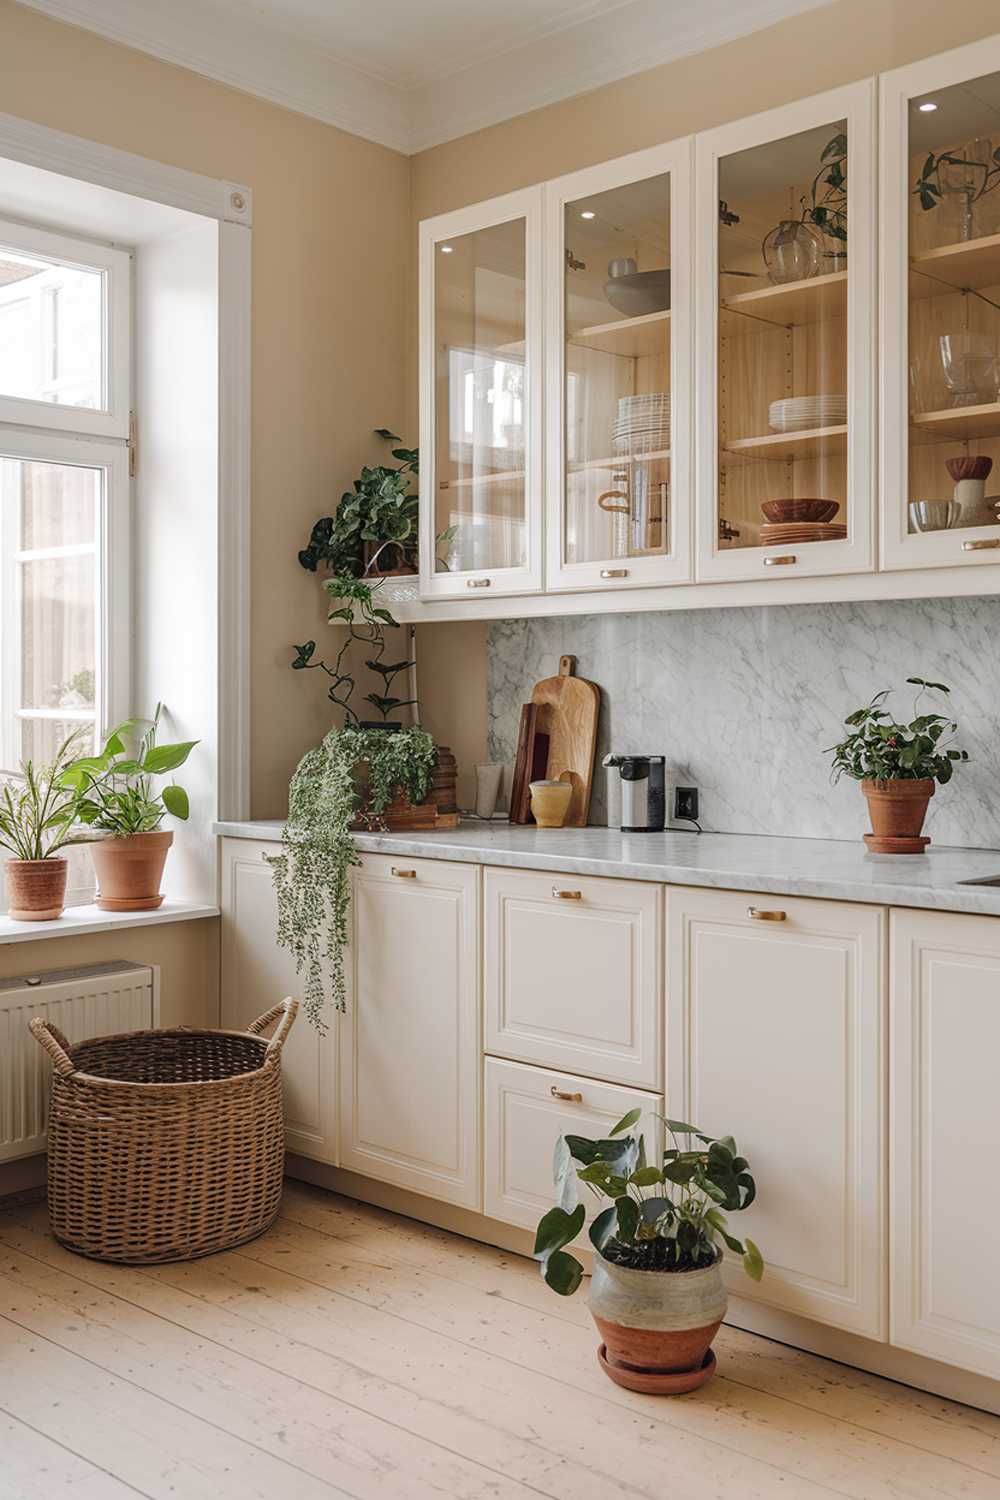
x: 614, y: 572
x: 403, y: 874
x: 566, y: 1098
x: 779, y: 562
x: 477, y: 583
x: 567, y: 895
x: 766, y: 916
x: 981, y: 545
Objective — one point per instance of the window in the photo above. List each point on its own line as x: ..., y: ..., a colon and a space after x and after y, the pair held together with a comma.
x: 64, y: 514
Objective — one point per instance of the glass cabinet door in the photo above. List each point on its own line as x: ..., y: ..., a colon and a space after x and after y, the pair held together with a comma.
x: 941, y: 454
x: 618, y: 428
x: 785, y: 218
x: 480, y: 399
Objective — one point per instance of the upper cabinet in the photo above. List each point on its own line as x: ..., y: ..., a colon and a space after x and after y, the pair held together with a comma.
x: 618, y: 358
x: 785, y: 252
x: 481, y: 399
x: 940, y: 297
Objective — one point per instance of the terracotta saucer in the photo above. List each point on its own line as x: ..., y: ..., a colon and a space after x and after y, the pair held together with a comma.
x: 657, y: 1382
x: 885, y: 845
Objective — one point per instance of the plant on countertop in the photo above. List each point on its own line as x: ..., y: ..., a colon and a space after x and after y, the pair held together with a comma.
x: 37, y: 807
x: 114, y: 790
x: 879, y: 749
x: 667, y: 1217
x: 312, y: 872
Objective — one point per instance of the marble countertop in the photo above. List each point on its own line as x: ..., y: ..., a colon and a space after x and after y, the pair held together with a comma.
x: 837, y: 869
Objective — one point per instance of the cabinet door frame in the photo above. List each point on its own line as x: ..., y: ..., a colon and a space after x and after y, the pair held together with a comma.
x: 854, y: 102
x: 859, y: 1304
x: 899, y: 549
x: 674, y: 566
x: 527, y: 203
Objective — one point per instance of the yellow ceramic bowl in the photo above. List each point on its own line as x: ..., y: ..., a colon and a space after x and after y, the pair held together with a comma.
x: 550, y: 802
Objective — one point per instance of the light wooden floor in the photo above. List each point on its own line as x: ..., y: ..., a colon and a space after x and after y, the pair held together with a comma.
x: 351, y: 1352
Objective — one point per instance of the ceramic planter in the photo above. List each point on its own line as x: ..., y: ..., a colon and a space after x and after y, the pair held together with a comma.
x: 897, y: 810
x: 129, y: 870
x: 657, y: 1327
x: 36, y: 889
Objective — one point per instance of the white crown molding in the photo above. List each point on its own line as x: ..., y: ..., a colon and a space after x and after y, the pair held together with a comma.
x: 262, y: 59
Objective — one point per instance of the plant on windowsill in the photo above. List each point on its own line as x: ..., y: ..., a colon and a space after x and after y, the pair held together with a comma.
x: 116, y: 800
x: 897, y: 766
x: 37, y: 820
x: 656, y: 1293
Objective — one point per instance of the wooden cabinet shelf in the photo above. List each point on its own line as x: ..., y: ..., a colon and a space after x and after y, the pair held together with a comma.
x: 970, y: 263
x: 634, y: 338
x: 619, y: 461
x: 814, y: 442
x: 819, y: 299
x: 501, y: 476
x: 960, y: 423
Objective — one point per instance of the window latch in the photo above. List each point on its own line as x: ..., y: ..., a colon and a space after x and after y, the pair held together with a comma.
x: 133, y: 445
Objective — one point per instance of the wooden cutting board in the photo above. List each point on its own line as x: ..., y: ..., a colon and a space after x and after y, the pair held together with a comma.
x: 568, y: 707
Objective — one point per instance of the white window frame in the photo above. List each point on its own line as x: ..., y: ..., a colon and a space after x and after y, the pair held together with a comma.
x: 111, y: 419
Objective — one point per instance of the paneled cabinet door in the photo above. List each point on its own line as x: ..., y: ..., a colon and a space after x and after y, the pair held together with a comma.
x: 945, y: 1211
x: 410, y: 1039
x: 785, y: 248
x: 573, y: 973
x: 940, y: 258
x: 256, y: 974
x: 481, y: 399
x: 618, y: 347
x: 775, y: 1035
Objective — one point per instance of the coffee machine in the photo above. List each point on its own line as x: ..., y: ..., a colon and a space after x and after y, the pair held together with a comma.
x: 644, y: 795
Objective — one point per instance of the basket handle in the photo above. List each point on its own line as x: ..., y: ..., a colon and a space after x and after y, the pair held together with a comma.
x: 287, y: 1009
x: 51, y: 1038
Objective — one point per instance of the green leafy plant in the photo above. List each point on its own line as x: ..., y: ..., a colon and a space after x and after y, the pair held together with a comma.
x: 983, y: 177
x: 352, y: 774
x: 662, y: 1217
x: 827, y: 203
x: 114, y: 790
x: 880, y: 749
x: 37, y: 808
x: 366, y: 624
x: 381, y: 510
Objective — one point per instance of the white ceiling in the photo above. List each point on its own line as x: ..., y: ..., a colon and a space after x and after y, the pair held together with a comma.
x: 413, y: 73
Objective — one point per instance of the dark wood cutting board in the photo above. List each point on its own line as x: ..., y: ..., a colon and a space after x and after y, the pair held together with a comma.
x: 568, y: 707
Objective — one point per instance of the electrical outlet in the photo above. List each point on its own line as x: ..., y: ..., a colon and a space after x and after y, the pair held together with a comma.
x: 686, y: 803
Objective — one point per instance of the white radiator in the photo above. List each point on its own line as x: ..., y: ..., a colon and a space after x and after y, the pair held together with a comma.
x: 94, y: 1001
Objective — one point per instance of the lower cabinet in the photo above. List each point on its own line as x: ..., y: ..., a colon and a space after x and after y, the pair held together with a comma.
x: 525, y: 1110
x: 945, y: 1046
x: 775, y: 1034
x: 256, y: 974
x: 410, y: 1047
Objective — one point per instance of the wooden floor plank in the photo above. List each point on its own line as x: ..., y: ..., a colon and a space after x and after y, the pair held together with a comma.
x: 36, y: 1467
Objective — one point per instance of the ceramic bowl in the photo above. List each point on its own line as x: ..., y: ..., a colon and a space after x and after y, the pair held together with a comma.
x: 641, y: 293
x: 933, y: 515
x: 783, y: 511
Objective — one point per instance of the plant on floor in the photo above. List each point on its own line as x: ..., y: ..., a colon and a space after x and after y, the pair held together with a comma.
x: 352, y: 773
x: 114, y: 789
x: 666, y: 1217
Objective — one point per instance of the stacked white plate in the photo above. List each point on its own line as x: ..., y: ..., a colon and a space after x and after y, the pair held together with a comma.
x: 642, y: 424
x: 799, y: 413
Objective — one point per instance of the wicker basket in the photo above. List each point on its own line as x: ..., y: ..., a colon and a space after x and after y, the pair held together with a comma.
x: 165, y: 1145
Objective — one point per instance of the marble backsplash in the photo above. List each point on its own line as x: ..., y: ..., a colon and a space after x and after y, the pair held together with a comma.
x: 742, y: 703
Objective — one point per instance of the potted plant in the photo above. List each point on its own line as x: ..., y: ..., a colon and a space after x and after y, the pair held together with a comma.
x: 37, y: 816
x: 375, y: 527
x: 656, y: 1293
x: 897, y: 766
x: 115, y: 798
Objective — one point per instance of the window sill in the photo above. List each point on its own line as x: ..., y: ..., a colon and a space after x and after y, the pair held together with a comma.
x: 77, y: 921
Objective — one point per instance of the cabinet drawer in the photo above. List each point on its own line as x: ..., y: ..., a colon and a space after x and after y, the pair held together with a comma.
x: 574, y: 981
x: 523, y: 1117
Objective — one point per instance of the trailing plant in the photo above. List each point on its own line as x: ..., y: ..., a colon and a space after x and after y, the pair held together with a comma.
x: 37, y: 808
x: 663, y: 1217
x: 353, y: 773
x: 985, y: 176
x: 880, y: 749
x: 366, y: 623
x: 827, y: 205
x: 114, y: 790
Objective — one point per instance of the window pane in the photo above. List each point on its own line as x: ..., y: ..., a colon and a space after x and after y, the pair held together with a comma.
x: 59, y: 505
x: 41, y: 738
x: 51, y: 331
x: 57, y: 633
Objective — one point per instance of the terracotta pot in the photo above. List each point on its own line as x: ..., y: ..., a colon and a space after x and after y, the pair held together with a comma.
x: 36, y: 888
x: 657, y: 1326
x: 129, y: 870
x: 897, y: 810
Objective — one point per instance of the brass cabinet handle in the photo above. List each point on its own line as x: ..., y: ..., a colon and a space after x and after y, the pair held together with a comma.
x: 477, y: 583
x: 567, y: 895
x: 982, y: 545
x: 779, y: 562
x: 766, y: 916
x: 614, y: 572
x: 566, y: 1098
x: 403, y: 874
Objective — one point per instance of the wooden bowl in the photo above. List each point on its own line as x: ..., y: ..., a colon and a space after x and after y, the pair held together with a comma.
x: 779, y: 511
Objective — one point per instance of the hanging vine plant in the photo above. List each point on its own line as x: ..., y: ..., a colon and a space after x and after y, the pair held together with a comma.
x: 351, y: 774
